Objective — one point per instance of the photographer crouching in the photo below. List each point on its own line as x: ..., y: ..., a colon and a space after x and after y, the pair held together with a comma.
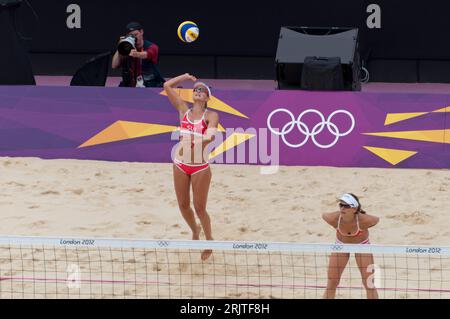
x: 138, y: 59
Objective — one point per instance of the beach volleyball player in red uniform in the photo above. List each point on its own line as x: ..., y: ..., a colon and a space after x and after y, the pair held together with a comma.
x: 352, y: 227
x: 198, y: 126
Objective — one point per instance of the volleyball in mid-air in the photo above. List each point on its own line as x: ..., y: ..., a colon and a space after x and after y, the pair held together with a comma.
x: 188, y: 31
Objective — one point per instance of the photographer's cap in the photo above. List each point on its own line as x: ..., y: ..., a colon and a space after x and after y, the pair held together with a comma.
x: 133, y: 26
x: 350, y: 200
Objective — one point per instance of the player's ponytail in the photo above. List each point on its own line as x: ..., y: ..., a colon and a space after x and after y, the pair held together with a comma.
x: 360, y: 210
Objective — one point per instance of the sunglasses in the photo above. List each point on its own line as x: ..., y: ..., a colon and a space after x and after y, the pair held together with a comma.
x: 201, y: 90
x: 344, y: 205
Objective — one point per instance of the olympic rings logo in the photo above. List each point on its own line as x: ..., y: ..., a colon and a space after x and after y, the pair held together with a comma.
x: 163, y: 243
x: 305, y: 130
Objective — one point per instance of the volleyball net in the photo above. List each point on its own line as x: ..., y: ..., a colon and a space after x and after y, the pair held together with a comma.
x: 37, y: 267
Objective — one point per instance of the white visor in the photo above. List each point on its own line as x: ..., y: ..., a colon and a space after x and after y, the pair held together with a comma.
x: 350, y: 200
x: 203, y: 84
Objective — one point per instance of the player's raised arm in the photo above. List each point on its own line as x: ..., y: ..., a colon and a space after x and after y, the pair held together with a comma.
x: 173, y: 95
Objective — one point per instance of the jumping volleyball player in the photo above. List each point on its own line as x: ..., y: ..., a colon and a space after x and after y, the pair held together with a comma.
x: 198, y: 128
x: 352, y: 227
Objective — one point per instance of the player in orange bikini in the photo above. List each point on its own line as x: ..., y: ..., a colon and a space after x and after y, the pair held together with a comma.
x: 198, y: 126
x: 352, y: 227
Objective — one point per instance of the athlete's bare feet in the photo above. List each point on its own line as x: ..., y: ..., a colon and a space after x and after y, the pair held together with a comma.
x: 206, y: 253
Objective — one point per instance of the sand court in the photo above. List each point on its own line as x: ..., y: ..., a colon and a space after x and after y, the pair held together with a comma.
x: 65, y: 198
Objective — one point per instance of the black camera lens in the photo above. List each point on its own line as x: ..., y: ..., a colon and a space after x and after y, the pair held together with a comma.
x: 125, y: 48
x: 126, y: 45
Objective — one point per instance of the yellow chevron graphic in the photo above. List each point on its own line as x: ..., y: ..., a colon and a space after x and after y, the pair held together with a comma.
x: 123, y: 130
x: 434, y: 136
x: 232, y: 141
x: 391, y: 156
x: 220, y: 128
x: 392, y: 118
x: 444, y: 110
x: 214, y: 103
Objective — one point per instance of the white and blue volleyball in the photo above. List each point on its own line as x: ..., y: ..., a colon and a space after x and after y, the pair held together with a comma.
x: 188, y: 31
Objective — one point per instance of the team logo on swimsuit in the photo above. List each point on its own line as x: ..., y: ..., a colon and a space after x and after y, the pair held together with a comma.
x: 306, y: 131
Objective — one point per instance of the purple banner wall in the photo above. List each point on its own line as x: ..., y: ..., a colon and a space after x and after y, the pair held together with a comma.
x: 366, y: 129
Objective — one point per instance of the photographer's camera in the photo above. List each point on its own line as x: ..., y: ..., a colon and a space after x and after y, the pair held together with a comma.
x: 126, y: 44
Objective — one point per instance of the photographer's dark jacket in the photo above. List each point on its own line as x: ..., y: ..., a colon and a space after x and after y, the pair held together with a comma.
x: 134, y: 67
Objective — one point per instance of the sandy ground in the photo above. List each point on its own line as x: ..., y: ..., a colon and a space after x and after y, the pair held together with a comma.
x: 136, y: 200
